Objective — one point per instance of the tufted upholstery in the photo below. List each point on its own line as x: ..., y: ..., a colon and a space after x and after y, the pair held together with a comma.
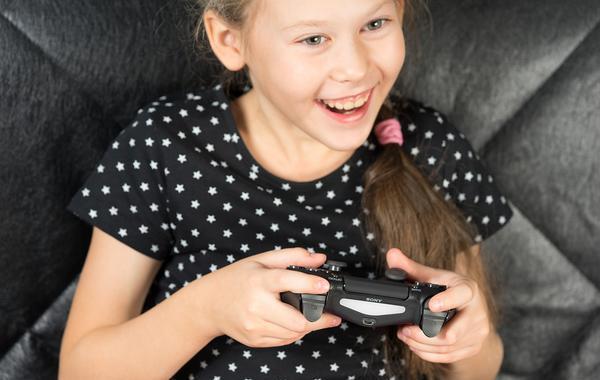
x: 520, y: 78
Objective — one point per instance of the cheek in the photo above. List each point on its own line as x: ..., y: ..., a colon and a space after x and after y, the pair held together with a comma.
x: 394, y: 61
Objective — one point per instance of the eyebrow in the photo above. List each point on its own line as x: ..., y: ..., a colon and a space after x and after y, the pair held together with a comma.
x: 318, y: 23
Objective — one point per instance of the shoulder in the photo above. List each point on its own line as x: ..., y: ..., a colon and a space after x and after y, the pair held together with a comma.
x: 177, y: 118
x: 447, y: 158
x: 431, y: 139
x: 423, y: 124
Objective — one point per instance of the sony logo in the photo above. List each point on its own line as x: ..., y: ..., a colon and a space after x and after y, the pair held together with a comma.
x: 374, y: 299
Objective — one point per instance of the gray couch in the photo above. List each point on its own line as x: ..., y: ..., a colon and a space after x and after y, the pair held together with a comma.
x: 520, y: 78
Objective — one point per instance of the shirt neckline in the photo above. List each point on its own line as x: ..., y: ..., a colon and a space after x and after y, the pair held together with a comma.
x: 271, y: 178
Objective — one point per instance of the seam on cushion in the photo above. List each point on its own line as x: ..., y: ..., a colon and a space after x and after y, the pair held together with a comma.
x: 543, y: 84
x: 63, y: 74
x: 488, y: 143
x: 75, y: 85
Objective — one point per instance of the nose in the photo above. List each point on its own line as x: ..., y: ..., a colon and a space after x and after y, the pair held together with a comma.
x: 351, y: 61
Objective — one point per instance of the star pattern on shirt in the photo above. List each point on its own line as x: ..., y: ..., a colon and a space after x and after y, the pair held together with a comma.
x: 179, y: 185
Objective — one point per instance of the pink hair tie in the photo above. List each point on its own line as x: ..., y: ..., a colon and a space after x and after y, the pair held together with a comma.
x: 388, y: 132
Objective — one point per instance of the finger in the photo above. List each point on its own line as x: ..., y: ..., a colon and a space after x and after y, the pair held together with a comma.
x: 450, y: 334
x: 326, y: 321
x: 455, y: 297
x: 281, y: 280
x: 290, y: 318
x: 430, y: 348
x: 451, y: 357
x: 396, y: 259
x: 282, y: 258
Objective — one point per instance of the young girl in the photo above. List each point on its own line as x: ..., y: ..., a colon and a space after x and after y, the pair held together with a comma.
x: 201, y: 203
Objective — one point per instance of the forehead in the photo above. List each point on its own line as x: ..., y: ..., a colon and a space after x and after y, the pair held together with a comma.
x: 288, y: 15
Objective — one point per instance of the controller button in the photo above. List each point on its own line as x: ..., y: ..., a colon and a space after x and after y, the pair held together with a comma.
x: 368, y: 321
x: 334, y: 266
x: 395, y: 274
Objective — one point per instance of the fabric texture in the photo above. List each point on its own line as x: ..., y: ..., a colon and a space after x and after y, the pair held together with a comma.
x: 520, y: 80
x: 179, y: 185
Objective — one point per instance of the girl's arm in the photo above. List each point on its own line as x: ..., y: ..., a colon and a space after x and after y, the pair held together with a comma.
x: 107, y: 338
x: 486, y: 364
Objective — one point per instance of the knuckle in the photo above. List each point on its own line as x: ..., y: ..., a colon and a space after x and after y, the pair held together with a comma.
x: 249, y: 326
x: 451, y: 338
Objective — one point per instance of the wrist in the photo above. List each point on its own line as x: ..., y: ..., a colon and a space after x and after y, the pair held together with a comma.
x: 200, y: 310
x: 484, y: 365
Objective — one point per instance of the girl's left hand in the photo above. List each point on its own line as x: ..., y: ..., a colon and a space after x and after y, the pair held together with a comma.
x: 464, y: 335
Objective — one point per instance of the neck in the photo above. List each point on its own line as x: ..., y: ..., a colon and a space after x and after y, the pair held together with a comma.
x: 278, y: 146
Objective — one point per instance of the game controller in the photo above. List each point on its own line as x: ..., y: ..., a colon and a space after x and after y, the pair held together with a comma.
x: 392, y: 300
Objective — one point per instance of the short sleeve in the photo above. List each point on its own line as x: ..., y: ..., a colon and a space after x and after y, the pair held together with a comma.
x: 448, y: 159
x: 124, y: 195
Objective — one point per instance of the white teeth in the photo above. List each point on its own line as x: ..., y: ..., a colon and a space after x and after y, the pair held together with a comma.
x: 346, y: 106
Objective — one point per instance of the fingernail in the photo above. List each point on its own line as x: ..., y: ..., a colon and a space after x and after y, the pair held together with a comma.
x: 436, y: 305
x: 336, y: 321
x: 405, y: 331
x: 323, y: 285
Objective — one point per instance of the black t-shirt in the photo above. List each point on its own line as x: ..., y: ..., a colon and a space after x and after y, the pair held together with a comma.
x: 179, y: 185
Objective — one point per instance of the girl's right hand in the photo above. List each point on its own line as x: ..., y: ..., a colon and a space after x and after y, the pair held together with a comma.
x: 244, y: 298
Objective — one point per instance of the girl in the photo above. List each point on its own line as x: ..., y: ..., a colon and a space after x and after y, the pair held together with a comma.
x: 202, y: 202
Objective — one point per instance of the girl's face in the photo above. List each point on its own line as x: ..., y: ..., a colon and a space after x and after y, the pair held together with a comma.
x: 300, y: 52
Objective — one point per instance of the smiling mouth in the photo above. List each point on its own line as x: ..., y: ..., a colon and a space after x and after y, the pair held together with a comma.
x: 347, y: 106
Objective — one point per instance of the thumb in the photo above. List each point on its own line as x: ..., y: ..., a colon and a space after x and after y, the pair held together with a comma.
x: 416, y: 271
x: 282, y: 258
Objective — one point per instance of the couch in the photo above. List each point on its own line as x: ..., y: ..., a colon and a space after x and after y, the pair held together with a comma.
x: 520, y: 78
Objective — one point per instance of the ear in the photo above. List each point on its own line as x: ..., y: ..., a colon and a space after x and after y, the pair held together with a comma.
x: 224, y: 40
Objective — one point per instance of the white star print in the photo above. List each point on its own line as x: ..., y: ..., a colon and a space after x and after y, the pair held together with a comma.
x: 278, y: 214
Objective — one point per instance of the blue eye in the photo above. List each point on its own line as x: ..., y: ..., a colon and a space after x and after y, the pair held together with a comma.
x: 312, y: 38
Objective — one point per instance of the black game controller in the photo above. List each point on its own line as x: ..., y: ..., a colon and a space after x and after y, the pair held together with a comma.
x: 373, y: 303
